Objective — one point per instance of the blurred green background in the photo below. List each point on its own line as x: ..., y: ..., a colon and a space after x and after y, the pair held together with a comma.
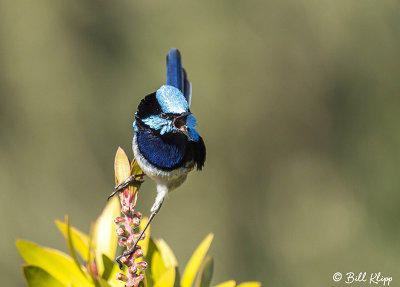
x: 298, y: 103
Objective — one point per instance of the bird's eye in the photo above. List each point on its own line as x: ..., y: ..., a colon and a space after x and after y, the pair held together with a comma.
x: 166, y: 116
x: 179, y: 123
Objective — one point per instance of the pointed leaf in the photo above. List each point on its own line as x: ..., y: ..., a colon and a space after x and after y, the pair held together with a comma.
x: 90, y: 255
x: 230, y: 283
x: 71, y: 247
x: 250, y: 284
x: 104, y: 237
x: 167, y: 254
x: 37, y: 277
x: 79, y: 239
x: 58, y: 264
x: 135, y: 168
x: 195, y: 261
x: 206, y: 272
x: 167, y: 279
x: 122, y: 167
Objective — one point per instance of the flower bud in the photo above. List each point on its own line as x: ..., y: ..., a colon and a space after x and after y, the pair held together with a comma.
x: 132, y: 269
x: 121, y: 231
x: 119, y: 219
x: 141, y: 265
x: 121, y: 276
x: 138, y: 215
x: 125, y: 209
x: 135, y: 222
x: 123, y: 259
x: 139, y: 279
x: 138, y: 253
x: 122, y: 241
x: 130, y: 242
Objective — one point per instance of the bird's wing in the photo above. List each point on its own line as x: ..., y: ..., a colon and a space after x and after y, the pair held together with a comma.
x: 176, y: 75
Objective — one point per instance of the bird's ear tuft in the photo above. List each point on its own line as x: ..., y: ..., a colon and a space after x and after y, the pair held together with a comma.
x: 148, y: 106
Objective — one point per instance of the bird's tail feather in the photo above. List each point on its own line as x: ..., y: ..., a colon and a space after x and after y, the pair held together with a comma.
x: 176, y: 75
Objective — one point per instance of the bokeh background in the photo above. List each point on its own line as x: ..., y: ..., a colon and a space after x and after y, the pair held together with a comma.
x: 298, y: 103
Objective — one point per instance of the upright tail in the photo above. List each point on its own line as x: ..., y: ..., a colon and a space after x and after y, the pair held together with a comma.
x: 176, y: 75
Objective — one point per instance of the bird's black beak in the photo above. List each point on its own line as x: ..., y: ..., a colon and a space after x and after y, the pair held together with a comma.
x: 180, y: 124
x: 185, y: 131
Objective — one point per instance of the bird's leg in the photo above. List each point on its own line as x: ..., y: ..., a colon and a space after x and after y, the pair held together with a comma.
x: 154, y: 211
x: 127, y: 182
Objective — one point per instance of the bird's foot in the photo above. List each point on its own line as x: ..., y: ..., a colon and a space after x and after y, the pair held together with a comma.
x: 127, y: 182
x: 123, y: 258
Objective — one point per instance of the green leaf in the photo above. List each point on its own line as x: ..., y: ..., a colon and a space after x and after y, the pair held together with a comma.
x: 250, y: 284
x: 135, y: 168
x: 104, y: 237
x: 103, y: 283
x: 167, y: 279
x: 157, y: 266
x: 108, y: 267
x: 205, y: 273
x: 195, y: 261
x: 58, y: 264
x: 148, y: 278
x: 230, y: 283
x: 90, y: 254
x: 79, y: 239
x: 110, y: 271
x: 71, y: 247
x: 37, y: 277
x: 167, y: 254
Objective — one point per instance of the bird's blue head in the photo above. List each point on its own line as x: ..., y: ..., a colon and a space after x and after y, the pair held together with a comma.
x: 167, y: 111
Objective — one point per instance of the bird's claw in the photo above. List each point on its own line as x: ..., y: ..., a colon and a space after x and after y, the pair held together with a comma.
x: 127, y: 182
x: 126, y: 253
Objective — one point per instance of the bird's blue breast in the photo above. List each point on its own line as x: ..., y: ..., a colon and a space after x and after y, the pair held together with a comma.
x: 165, y: 152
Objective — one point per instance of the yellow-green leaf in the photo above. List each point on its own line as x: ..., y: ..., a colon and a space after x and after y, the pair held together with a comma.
x: 148, y: 278
x: 58, y: 264
x: 166, y: 253
x: 195, y: 261
x: 144, y: 243
x: 37, y: 277
x: 167, y: 279
x: 110, y: 272
x: 230, y: 283
x: 79, y: 239
x: 71, y: 247
x: 157, y: 267
x: 135, y: 168
x: 250, y: 284
x: 103, y: 283
x: 122, y: 167
x: 205, y: 273
x: 104, y: 237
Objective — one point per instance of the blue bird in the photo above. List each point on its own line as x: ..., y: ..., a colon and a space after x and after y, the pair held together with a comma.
x: 166, y: 144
